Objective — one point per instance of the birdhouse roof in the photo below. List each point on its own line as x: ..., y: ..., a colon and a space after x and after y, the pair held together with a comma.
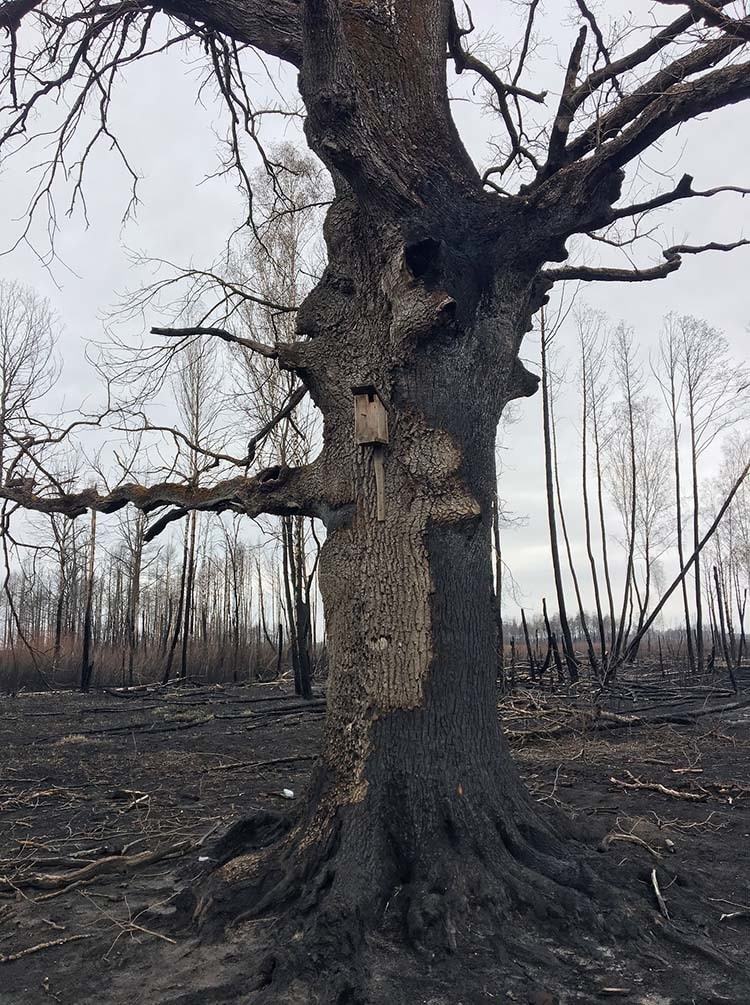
x: 369, y: 389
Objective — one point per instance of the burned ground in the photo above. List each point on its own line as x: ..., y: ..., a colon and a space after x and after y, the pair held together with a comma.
x: 142, y: 783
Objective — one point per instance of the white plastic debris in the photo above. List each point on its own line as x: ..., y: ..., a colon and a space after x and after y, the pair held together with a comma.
x: 203, y: 858
x: 287, y: 793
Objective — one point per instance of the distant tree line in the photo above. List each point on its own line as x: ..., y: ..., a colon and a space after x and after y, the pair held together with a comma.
x: 224, y: 598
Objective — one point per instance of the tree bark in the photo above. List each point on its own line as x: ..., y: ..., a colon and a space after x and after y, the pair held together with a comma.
x: 415, y: 791
x: 567, y: 641
x: 86, y: 662
x: 671, y: 360
x: 416, y: 812
x: 180, y: 606
x: 568, y: 550
x: 498, y: 554
x: 699, y: 642
x: 586, y: 389
x: 187, y: 626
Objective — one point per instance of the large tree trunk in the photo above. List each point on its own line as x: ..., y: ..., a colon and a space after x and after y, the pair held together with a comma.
x: 416, y: 805
x: 416, y: 814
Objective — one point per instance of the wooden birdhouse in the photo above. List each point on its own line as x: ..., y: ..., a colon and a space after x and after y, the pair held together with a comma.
x: 371, y: 430
x: 370, y: 416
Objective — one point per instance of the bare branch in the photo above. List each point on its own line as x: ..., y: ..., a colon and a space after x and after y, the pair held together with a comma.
x: 526, y: 40
x: 566, y: 110
x: 276, y: 490
x: 683, y: 190
x: 600, y: 43
x: 270, y: 352
x: 712, y: 15
x: 664, y: 101
x: 465, y: 60
x: 635, y: 642
x: 241, y: 462
x: 673, y: 260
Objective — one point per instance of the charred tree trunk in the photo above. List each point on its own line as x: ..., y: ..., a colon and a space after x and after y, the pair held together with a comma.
x: 415, y: 787
x: 585, y: 389
x: 699, y: 642
x: 593, y: 662
x: 187, y: 626
x: 568, y: 651
x: 59, y: 610
x: 416, y: 814
x: 673, y: 409
x: 529, y: 653
x: 86, y: 661
x: 725, y: 647
x: 180, y: 605
x: 134, y: 594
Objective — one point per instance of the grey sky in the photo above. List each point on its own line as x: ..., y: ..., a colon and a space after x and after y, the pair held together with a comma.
x: 172, y: 142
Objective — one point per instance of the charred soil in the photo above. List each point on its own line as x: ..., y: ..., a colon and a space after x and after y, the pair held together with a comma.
x: 116, y: 809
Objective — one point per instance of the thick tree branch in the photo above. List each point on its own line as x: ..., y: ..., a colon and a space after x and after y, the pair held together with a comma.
x: 270, y: 352
x: 13, y: 12
x: 656, y: 96
x: 631, y: 60
x: 712, y: 15
x: 678, y: 104
x: 683, y: 190
x: 565, y: 111
x: 276, y: 490
x: 673, y: 260
x: 274, y: 26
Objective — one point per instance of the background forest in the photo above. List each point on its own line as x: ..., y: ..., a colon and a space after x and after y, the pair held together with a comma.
x: 651, y: 444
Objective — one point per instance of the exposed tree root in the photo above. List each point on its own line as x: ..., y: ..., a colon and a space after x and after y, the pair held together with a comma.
x: 478, y: 881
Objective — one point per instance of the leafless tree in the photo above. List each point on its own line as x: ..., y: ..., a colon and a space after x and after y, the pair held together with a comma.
x: 670, y: 382
x: 647, y: 509
x: 435, y: 270
x: 715, y: 397
x: 592, y: 344
x: 546, y: 337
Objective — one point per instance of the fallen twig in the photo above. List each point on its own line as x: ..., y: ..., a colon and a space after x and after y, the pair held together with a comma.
x: 111, y: 864
x: 636, y: 783
x: 659, y: 898
x: 632, y: 838
x: 261, y: 764
x: 42, y: 945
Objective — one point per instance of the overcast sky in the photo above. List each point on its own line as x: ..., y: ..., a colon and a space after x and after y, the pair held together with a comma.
x: 172, y: 141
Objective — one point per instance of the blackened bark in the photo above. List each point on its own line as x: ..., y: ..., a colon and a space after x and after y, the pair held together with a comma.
x: 529, y: 653
x: 585, y: 390
x: 568, y: 650
x: 593, y: 662
x: 699, y: 645
x: 180, y: 606
x: 87, y: 667
x: 416, y: 805
x: 187, y: 626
